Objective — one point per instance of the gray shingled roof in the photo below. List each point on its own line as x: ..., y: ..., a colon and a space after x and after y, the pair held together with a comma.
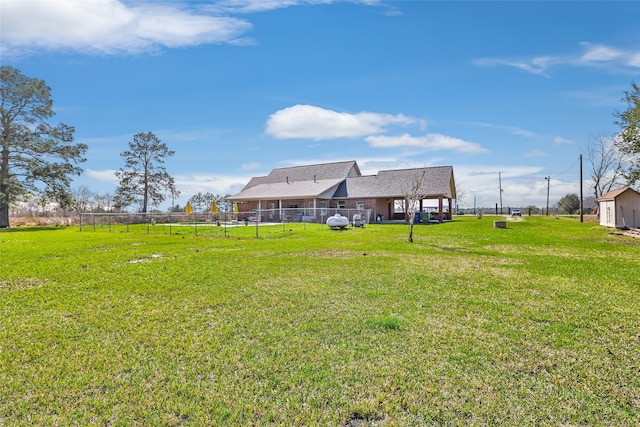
x: 343, y: 180
x: 438, y: 181
x: 338, y: 170
x: 321, y: 188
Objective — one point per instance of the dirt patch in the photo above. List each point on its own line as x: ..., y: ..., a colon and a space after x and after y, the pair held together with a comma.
x: 358, y: 419
x: 333, y: 253
x: 150, y: 258
x: 41, y: 221
x: 22, y: 283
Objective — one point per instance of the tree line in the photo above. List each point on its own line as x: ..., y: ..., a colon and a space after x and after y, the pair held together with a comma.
x: 38, y: 159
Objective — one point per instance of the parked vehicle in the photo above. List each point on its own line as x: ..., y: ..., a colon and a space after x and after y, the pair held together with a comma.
x: 516, y: 212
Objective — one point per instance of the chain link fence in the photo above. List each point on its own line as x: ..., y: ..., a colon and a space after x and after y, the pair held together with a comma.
x: 221, y: 223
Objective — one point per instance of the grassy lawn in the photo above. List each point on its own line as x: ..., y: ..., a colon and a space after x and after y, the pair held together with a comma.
x: 536, y: 324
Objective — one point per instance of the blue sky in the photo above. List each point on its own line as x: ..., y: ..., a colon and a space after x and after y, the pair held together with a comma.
x: 239, y: 87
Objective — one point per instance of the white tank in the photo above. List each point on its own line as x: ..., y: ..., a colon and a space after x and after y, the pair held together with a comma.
x: 337, y: 221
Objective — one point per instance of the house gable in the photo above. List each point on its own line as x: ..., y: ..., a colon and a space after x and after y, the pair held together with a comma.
x: 311, y: 181
x: 339, y: 170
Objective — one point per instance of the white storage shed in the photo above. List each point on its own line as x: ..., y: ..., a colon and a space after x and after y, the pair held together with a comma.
x: 620, y: 208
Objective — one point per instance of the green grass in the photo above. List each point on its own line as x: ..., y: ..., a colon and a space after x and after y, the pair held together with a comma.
x: 536, y: 324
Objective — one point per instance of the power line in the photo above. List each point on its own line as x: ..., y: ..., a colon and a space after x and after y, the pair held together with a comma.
x: 560, y: 174
x: 569, y: 168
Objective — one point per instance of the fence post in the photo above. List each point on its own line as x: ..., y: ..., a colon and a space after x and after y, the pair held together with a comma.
x: 257, y: 234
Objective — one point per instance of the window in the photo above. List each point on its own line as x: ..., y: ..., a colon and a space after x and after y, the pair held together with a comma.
x: 360, y: 205
x: 340, y: 204
x: 398, y: 206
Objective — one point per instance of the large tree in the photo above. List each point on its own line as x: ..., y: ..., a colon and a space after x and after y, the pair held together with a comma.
x: 36, y: 157
x: 223, y: 203
x: 569, y: 204
x: 83, y: 198
x: 201, y: 201
x: 629, y: 122
x: 144, y: 179
x: 609, y: 165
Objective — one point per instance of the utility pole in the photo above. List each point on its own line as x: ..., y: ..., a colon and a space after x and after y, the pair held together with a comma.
x: 548, y: 178
x: 500, y: 184
x: 581, y: 198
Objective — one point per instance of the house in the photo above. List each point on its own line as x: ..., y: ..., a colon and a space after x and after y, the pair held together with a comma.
x: 312, y: 192
x: 620, y: 208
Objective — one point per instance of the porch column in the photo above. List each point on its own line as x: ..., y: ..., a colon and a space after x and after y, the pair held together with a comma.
x: 440, y: 208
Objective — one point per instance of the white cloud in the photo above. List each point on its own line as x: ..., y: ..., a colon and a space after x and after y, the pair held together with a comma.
x: 250, y: 6
x: 308, y: 121
x: 535, y: 153
x: 600, y: 53
x: 561, y: 140
x: 250, y: 166
x: 430, y: 141
x: 634, y: 60
x: 109, y: 27
x: 191, y: 184
x: 511, y: 129
x: 120, y: 27
x: 537, y: 65
x: 593, y: 55
x: 106, y: 175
